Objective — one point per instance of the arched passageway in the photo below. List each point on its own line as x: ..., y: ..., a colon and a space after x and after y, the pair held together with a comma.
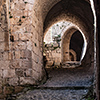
x: 82, y: 25
x: 77, y: 44
x: 63, y: 42
x: 74, y: 44
x: 27, y: 25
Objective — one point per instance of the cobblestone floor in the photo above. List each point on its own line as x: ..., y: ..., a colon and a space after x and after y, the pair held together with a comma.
x: 53, y: 95
x: 57, y: 86
x: 68, y: 77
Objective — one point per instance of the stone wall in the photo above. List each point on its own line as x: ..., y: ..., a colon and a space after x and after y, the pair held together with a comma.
x: 21, y: 57
x: 53, y: 57
x: 26, y: 43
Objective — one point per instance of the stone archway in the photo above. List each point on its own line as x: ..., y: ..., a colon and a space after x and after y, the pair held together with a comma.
x: 65, y: 49
x: 65, y: 45
x: 77, y: 43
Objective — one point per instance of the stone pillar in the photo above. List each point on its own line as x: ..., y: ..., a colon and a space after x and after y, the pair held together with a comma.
x: 97, y: 7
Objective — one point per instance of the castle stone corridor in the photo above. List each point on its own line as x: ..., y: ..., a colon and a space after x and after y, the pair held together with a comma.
x: 49, y: 49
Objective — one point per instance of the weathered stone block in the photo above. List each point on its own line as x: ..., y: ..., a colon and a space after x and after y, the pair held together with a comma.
x: 35, y: 57
x: 8, y: 73
x: 0, y: 74
x: 12, y: 21
x: 36, y: 67
x: 22, y: 45
x: 27, y: 81
x: 16, y: 64
x: 29, y: 27
x: 13, y: 81
x: 25, y: 36
x: 29, y: 7
x: 2, y: 36
x: 16, y: 36
x: 19, y: 72
x: 2, y: 46
x: 5, y: 56
x: 26, y: 64
x: 36, y: 75
x: 30, y: 1
x: 22, y: 5
x: 1, y: 90
x: 19, y: 45
x: 17, y: 54
x: 29, y: 45
x: 28, y: 53
x: 25, y: 13
x: 4, y: 64
x: 35, y: 48
x: 18, y: 89
x: 8, y: 90
x: 28, y: 73
x: 25, y: 54
x: 1, y: 55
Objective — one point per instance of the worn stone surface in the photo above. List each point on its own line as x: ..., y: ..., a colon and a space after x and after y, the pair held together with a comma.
x: 63, y: 77
x: 54, y: 95
x: 62, y: 84
x: 21, y: 37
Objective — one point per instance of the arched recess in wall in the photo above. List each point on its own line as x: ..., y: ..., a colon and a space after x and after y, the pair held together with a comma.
x: 65, y: 43
x: 77, y: 44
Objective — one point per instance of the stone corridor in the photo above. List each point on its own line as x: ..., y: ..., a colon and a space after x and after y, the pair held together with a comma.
x: 62, y: 84
x: 73, y: 49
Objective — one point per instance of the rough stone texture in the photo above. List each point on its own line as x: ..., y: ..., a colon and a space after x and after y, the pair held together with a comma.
x: 24, y: 41
x: 61, y: 86
x: 69, y: 77
x: 21, y: 37
x: 54, y: 95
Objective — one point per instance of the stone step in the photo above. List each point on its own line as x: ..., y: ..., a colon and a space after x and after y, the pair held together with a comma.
x: 71, y: 64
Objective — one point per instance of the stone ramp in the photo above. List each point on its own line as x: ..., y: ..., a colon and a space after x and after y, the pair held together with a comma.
x: 62, y: 84
x: 71, y: 64
x: 62, y: 77
x: 48, y: 94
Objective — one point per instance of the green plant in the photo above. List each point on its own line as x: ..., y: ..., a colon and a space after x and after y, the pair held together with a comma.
x: 90, y: 95
x: 43, y: 42
x: 9, y: 31
x: 25, y: 31
x: 55, y: 48
x: 57, y: 24
x: 60, y: 27
x: 89, y: 98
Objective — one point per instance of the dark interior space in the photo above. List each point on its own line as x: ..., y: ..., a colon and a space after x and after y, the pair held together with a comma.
x: 76, y: 44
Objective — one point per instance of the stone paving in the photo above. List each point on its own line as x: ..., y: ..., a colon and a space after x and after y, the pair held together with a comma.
x: 63, y: 84
x: 68, y: 77
x: 53, y: 95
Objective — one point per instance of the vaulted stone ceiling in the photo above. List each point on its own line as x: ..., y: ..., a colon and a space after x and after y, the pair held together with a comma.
x: 79, y: 8
x: 46, y: 5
